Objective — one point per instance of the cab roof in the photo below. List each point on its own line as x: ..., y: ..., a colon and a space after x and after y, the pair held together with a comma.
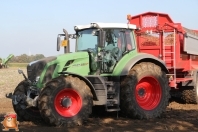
x: 105, y: 25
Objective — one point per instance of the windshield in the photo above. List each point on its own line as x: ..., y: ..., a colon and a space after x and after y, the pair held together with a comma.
x: 85, y: 40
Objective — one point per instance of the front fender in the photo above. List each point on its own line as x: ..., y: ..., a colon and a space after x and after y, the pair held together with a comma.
x: 85, y: 80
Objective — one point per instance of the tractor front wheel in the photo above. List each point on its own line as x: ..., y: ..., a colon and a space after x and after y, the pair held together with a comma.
x: 145, y: 91
x: 65, y: 101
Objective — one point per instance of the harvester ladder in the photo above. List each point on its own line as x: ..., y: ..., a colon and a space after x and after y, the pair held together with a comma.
x: 172, y: 52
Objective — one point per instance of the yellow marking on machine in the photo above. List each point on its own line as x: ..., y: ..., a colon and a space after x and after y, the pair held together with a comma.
x: 64, y: 43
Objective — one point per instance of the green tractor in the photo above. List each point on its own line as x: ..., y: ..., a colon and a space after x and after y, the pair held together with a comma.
x: 105, y: 70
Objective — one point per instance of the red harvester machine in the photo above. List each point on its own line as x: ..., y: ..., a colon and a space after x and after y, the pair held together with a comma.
x: 173, y: 43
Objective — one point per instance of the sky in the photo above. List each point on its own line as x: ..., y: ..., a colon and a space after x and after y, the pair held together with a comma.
x: 31, y: 26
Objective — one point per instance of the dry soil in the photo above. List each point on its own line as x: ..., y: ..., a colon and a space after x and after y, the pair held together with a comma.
x: 178, y: 116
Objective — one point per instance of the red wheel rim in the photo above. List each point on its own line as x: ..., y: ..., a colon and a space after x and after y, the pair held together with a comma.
x: 68, y: 102
x: 148, y: 93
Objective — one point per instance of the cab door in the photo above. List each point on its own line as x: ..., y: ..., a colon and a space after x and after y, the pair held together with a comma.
x: 115, y: 46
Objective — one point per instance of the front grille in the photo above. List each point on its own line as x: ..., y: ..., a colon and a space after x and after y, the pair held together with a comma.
x: 49, y: 73
x: 35, y: 68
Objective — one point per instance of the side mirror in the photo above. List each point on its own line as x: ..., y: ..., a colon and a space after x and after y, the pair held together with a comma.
x: 58, y: 42
x: 101, y: 39
x: 20, y: 71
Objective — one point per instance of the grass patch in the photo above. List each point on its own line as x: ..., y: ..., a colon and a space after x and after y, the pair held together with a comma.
x: 17, y: 64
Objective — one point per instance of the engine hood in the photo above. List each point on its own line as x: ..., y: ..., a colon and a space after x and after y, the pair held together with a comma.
x: 49, y: 67
x: 70, y: 56
x: 77, y: 62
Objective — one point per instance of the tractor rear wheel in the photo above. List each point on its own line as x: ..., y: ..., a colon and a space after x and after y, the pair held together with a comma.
x: 27, y: 114
x: 144, y: 91
x: 65, y: 101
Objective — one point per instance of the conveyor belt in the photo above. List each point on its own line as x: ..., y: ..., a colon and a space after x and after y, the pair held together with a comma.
x: 190, y: 31
x: 191, y: 42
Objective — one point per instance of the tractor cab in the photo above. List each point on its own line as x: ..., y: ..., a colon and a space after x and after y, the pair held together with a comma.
x: 106, y: 43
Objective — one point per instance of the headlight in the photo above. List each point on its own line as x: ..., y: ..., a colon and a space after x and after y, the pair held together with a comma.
x: 37, y: 78
x: 75, y: 28
x: 32, y: 62
x: 94, y: 25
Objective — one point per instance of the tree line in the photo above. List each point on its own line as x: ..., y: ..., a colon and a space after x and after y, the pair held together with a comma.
x: 24, y: 58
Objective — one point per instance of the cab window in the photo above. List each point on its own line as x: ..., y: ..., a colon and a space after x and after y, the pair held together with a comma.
x: 130, y: 40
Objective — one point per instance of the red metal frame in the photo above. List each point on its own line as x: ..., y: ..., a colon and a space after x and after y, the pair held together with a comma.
x: 157, y: 24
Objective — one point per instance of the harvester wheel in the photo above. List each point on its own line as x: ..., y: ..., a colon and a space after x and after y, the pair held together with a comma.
x: 65, y: 101
x: 189, y: 95
x: 27, y: 114
x: 144, y: 91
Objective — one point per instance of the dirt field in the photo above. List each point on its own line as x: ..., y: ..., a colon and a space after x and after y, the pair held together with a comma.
x: 178, y: 117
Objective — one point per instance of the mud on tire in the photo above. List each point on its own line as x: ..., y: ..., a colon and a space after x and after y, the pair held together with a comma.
x: 58, y: 112
x: 28, y: 114
x: 144, y: 91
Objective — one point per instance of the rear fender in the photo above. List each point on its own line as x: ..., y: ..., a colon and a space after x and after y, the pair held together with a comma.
x: 143, y: 57
x: 85, y: 80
